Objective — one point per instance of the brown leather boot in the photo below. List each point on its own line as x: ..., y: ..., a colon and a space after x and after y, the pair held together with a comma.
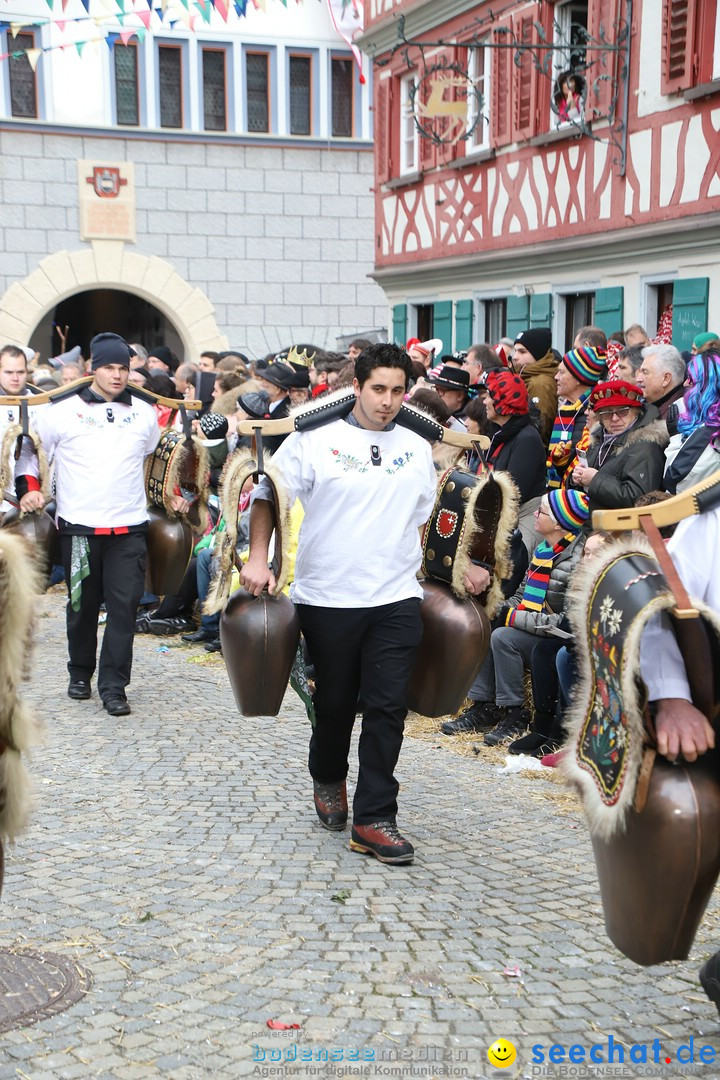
x: 382, y: 840
x: 331, y: 804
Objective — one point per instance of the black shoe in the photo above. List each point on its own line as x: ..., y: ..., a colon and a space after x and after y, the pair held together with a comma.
x: 177, y: 624
x: 512, y: 724
x: 382, y: 840
x: 79, y: 690
x: 116, y: 705
x: 199, y: 635
x: 710, y: 979
x: 479, y: 716
x: 331, y: 804
x: 214, y: 645
x: 534, y: 744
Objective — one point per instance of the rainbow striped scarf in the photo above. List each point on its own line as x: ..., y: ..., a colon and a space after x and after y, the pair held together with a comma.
x: 559, y: 453
x: 538, y: 575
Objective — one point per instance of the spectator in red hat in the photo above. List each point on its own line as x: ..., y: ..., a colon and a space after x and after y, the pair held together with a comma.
x: 516, y: 446
x: 626, y: 455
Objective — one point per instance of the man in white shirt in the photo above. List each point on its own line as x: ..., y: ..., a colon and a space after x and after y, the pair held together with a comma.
x: 98, y: 438
x: 13, y: 383
x: 682, y: 730
x: 366, y: 486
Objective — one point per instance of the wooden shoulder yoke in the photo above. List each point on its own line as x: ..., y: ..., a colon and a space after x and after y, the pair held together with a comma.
x: 696, y: 500
x: 63, y: 392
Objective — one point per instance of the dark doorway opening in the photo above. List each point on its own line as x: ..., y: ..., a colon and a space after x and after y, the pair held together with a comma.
x: 99, y: 310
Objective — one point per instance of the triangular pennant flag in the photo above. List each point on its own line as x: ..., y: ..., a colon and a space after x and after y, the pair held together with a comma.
x: 86, y: 5
x: 125, y: 35
x: 221, y: 8
x: 33, y: 56
x: 111, y: 39
x: 144, y: 17
x: 16, y: 27
x: 50, y: 4
x: 80, y: 45
x: 61, y: 25
x: 240, y: 7
x: 140, y: 32
x: 204, y: 9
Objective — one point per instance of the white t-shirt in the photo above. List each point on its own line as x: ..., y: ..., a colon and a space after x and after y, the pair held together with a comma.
x: 359, y: 544
x: 695, y: 549
x: 99, y: 450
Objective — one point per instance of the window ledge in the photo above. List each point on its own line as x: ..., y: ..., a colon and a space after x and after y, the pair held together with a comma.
x: 472, y: 159
x: 703, y: 90
x: 402, y: 181
x: 560, y: 135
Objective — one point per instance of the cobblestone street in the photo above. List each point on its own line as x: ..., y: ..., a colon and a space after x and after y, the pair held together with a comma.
x: 175, y: 856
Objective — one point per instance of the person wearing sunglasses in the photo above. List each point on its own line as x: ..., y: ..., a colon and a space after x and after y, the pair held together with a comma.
x: 626, y: 454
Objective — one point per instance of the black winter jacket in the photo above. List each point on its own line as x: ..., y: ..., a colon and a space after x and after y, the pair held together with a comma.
x: 634, y: 465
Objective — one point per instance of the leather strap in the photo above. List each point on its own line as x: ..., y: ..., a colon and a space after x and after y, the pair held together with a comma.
x: 684, y: 608
x: 643, y: 781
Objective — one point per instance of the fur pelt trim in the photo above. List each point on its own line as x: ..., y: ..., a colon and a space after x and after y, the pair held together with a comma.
x: 175, y: 474
x: 654, y: 432
x: 493, y: 598
x: 237, y: 470
x: 605, y: 821
x: 226, y: 404
x: 7, y: 457
x: 20, y: 586
x: 316, y: 404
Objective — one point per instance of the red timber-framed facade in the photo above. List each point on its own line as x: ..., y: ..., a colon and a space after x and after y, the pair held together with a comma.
x: 532, y: 220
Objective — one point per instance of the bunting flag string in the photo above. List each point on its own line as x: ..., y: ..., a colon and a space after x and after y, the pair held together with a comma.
x: 346, y: 17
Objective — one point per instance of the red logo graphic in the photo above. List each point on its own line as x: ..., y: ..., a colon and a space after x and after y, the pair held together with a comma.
x: 106, y: 181
x: 446, y: 523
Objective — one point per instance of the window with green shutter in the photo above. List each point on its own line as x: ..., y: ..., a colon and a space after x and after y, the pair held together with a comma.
x: 442, y: 325
x: 610, y: 309
x: 518, y: 315
x: 399, y: 324
x: 463, y: 324
x: 690, y: 310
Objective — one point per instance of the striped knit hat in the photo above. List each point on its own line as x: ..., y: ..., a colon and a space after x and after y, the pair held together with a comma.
x: 569, y: 508
x: 586, y: 364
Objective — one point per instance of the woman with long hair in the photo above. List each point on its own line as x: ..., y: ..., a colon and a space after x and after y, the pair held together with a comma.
x: 694, y: 453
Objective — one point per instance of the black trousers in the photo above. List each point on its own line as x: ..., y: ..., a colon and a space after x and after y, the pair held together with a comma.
x: 363, y: 655
x: 117, y: 577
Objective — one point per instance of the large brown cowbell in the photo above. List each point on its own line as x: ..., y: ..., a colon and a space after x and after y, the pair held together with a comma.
x: 259, y: 637
x: 656, y: 878
x: 456, y: 636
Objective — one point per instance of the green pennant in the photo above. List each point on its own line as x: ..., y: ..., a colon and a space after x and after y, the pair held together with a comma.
x: 50, y: 3
x: 80, y: 45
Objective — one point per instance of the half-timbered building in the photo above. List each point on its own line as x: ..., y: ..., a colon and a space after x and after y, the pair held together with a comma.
x: 553, y: 162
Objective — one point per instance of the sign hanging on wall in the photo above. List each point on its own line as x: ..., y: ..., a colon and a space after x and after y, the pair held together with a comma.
x: 106, y: 197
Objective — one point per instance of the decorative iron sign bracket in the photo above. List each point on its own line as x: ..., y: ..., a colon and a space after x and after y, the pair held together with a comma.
x: 590, y: 86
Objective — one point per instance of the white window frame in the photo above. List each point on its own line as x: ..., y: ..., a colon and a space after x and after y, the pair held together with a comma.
x: 561, y: 61
x: 409, y: 135
x: 479, y: 138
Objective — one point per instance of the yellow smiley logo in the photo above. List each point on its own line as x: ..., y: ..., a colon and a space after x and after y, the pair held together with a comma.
x: 501, y: 1054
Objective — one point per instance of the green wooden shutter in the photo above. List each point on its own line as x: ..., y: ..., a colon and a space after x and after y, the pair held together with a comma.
x: 610, y: 309
x: 399, y: 324
x: 541, y: 310
x: 690, y: 310
x: 442, y: 325
x: 463, y: 324
x: 518, y: 315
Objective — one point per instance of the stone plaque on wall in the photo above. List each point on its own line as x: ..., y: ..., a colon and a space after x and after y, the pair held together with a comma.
x: 106, y: 192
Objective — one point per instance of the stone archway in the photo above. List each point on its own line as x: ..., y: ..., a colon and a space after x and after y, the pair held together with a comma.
x: 109, y: 264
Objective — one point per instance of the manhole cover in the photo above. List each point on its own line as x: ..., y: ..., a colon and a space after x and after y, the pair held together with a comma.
x: 34, y: 985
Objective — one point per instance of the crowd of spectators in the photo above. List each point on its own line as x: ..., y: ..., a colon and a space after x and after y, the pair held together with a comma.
x: 607, y: 425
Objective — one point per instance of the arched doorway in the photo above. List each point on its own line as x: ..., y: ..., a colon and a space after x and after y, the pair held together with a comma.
x: 109, y: 266
x: 94, y: 311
